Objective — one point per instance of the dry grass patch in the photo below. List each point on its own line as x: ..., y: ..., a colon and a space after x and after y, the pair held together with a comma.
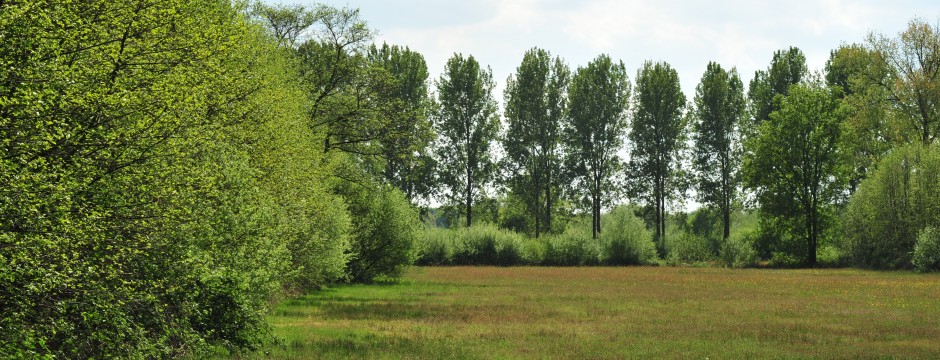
x: 605, y: 312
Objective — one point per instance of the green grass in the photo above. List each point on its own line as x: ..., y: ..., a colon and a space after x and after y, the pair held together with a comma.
x: 635, y: 312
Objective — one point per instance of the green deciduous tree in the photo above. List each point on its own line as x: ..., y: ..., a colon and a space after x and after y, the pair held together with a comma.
x: 385, y: 230
x: 599, y: 97
x: 356, y: 102
x: 467, y: 124
x: 657, y: 133
x: 892, y: 206
x: 536, y: 106
x: 913, y: 64
x: 406, y: 155
x: 871, y: 127
x: 719, y: 108
x: 794, y: 162
x: 787, y: 67
x: 159, y: 183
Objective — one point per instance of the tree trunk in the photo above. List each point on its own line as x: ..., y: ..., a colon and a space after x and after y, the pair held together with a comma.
x: 537, y: 222
x: 726, y: 218
x: 469, y: 198
x: 597, y: 205
x: 594, y: 229
x: 548, y: 207
x: 810, y: 234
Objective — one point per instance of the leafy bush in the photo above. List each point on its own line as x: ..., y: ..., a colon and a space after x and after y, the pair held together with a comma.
x: 385, y: 233
x: 737, y: 252
x: 785, y: 260
x: 571, y: 248
x: 626, y: 240
x: 831, y: 256
x: 437, y: 247
x: 927, y: 250
x: 485, y: 244
x: 683, y: 247
x: 156, y: 192
x: 892, y: 206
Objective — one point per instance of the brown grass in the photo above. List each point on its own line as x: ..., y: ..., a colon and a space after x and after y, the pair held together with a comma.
x: 598, y: 312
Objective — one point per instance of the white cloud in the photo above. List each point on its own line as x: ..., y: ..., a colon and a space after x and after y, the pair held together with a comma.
x: 740, y: 33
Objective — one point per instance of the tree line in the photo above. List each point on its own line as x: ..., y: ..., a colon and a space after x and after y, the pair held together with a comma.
x: 795, y: 146
x: 170, y: 169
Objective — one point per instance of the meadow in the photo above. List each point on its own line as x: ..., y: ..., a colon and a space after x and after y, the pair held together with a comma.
x: 617, y: 312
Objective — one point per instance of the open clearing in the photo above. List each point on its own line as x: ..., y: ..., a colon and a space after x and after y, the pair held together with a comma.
x: 623, y: 312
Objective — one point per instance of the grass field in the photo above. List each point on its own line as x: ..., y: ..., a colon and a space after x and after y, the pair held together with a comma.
x: 632, y: 312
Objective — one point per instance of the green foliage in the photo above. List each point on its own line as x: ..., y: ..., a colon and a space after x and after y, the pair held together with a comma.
x: 385, y: 232
x: 788, y: 67
x: 686, y: 248
x: 927, y: 250
x: 406, y: 156
x: 160, y: 187
x: 658, y: 133
x: 488, y: 245
x: 627, y: 241
x: 536, y: 106
x: 871, y: 128
x: 785, y: 260
x: 467, y: 124
x: 719, y: 108
x: 738, y: 252
x: 892, y: 206
x: 436, y: 247
x: 795, y: 165
x: 599, y: 97
x: 911, y: 61
x: 574, y: 247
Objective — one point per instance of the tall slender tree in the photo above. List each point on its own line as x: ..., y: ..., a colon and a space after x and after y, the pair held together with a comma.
x: 594, y: 133
x: 406, y: 154
x: 719, y: 107
x: 467, y: 123
x: 657, y: 131
x: 536, y: 104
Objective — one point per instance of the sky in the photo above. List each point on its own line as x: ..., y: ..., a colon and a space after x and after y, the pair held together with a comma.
x: 686, y: 34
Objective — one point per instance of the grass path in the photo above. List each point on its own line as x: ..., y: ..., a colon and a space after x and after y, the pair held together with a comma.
x: 634, y: 312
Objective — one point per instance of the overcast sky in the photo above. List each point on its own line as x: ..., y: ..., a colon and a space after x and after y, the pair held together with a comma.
x: 686, y: 34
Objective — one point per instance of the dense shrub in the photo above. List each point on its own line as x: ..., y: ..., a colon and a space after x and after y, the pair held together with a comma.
x: 738, y: 252
x: 485, y: 244
x: 574, y: 247
x: 686, y: 247
x: 927, y: 250
x: 436, y: 247
x: 160, y: 181
x: 386, y: 231
x: 626, y: 240
x: 892, y: 206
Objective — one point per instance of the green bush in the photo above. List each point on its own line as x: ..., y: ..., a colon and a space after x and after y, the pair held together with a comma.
x: 626, y: 240
x: 437, y: 247
x: 574, y: 247
x: 737, y: 252
x: 785, y: 260
x: 891, y: 207
x: 485, y: 244
x: 385, y: 233
x: 927, y: 250
x: 683, y: 248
